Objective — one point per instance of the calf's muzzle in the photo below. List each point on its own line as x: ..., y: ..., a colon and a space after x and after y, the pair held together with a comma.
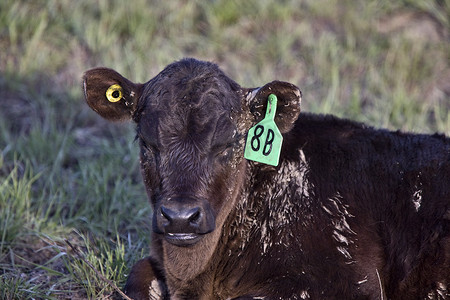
x: 183, y: 221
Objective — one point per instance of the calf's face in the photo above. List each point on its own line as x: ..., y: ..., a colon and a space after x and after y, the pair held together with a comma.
x: 191, y: 126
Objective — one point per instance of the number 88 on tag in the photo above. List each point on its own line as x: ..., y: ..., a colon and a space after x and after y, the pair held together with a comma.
x: 264, y: 139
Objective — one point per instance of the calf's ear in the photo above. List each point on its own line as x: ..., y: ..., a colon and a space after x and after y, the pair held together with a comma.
x: 288, y: 105
x: 110, y: 94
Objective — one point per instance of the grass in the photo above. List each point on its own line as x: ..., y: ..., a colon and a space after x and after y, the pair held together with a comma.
x: 68, y: 177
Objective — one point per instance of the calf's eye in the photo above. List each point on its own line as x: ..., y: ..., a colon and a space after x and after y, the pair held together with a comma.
x: 225, y: 153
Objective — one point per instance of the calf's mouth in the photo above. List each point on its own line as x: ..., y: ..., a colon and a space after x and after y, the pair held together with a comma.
x: 183, y: 239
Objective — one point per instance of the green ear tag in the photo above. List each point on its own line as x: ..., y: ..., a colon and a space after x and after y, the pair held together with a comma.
x: 264, y: 139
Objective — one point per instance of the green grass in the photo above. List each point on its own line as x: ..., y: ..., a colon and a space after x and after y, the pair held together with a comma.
x: 68, y: 177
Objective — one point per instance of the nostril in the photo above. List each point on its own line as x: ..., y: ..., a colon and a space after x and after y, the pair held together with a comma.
x: 195, y: 216
x: 166, y: 213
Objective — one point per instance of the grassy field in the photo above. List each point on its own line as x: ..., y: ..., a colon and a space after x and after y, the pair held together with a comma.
x: 70, y: 189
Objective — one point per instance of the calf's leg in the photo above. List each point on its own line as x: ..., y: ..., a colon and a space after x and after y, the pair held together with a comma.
x: 146, y: 281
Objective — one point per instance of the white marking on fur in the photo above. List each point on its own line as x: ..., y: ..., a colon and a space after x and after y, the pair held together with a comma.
x: 265, y: 237
x: 253, y: 94
x: 363, y: 281
x: 285, y: 195
x: 381, y: 285
x: 417, y: 195
x: 154, y: 292
x: 341, y: 238
x: 327, y: 210
x: 282, y: 201
x: 304, y: 295
x: 338, y: 211
x: 344, y: 252
x: 302, y: 156
x: 442, y: 290
x: 417, y: 199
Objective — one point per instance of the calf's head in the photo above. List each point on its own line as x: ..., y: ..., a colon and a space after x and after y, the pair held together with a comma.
x: 191, y: 122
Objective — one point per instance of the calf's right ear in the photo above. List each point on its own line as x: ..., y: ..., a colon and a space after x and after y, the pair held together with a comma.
x: 110, y: 94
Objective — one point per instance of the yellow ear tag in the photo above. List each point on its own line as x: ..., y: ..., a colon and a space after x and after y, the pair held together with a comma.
x: 114, y: 93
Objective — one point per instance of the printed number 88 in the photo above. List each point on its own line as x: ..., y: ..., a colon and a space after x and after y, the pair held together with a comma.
x: 256, y: 143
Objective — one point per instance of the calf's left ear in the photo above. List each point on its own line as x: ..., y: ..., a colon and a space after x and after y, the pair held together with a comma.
x: 110, y: 94
x: 288, y: 105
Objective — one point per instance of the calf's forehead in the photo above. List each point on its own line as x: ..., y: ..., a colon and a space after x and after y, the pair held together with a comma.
x: 190, y: 91
x: 185, y: 104
x: 187, y: 81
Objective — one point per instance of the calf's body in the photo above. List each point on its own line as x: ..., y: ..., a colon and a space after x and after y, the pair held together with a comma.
x: 350, y: 212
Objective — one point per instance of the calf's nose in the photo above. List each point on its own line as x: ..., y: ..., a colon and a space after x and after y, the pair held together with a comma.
x: 184, y: 215
x: 180, y: 220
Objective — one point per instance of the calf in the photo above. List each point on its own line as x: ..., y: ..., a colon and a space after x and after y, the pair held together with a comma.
x: 348, y: 212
